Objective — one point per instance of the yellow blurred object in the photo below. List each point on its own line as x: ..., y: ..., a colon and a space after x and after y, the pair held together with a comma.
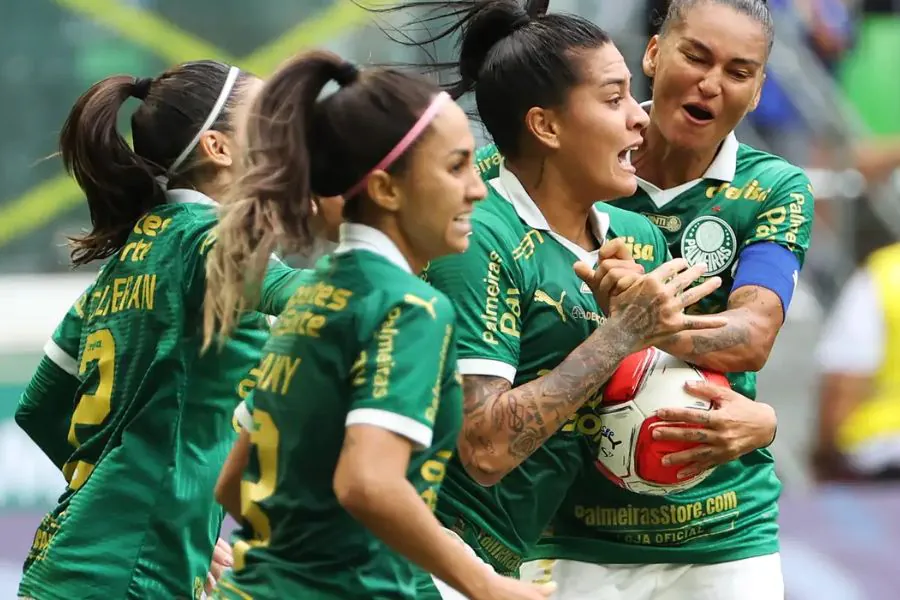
x: 879, y: 416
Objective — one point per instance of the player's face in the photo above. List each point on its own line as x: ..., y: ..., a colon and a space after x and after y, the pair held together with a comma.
x: 707, y: 75
x: 440, y: 187
x: 598, y: 126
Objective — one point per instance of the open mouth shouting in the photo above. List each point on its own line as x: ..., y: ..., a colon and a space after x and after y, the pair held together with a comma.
x: 698, y: 114
x: 625, y: 158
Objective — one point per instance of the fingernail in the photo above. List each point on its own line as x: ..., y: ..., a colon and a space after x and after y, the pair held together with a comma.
x: 666, y: 461
x: 685, y: 474
x: 657, y: 434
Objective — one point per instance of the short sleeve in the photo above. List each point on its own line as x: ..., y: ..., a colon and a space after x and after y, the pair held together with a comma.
x: 396, y: 379
x: 487, y: 162
x: 62, y: 347
x: 485, y: 286
x: 786, y: 216
x: 853, y: 341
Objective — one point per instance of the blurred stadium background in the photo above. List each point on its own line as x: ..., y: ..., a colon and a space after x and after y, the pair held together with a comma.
x: 831, y: 103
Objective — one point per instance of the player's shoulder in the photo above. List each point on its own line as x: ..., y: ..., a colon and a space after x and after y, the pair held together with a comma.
x: 375, y: 285
x: 178, y: 225
x: 769, y: 170
x: 411, y: 297
x: 495, y: 219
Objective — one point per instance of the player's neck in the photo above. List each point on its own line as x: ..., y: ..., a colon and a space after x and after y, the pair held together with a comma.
x: 667, y: 166
x: 389, y: 227
x: 565, y: 212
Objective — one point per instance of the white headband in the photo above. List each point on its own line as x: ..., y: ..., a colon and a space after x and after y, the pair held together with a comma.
x: 213, y: 115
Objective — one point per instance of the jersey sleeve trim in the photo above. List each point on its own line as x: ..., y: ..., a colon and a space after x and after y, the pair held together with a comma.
x: 421, y: 435
x: 243, y: 417
x: 61, y: 358
x: 486, y: 366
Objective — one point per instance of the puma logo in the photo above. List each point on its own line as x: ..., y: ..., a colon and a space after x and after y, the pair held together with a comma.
x: 544, y: 298
x: 428, y: 305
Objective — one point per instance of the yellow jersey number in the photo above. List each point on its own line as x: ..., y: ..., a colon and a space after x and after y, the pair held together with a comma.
x: 93, y: 408
x: 264, y: 438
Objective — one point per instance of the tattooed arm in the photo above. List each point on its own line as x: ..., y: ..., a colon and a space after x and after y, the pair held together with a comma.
x: 504, y: 425
x: 754, y: 318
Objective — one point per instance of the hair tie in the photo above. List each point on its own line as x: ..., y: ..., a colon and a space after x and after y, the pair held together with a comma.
x: 346, y: 74
x: 418, y: 128
x: 141, y: 87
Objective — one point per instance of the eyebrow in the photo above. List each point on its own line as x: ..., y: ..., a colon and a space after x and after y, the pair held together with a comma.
x: 617, y: 81
x: 461, y: 152
x: 706, y: 49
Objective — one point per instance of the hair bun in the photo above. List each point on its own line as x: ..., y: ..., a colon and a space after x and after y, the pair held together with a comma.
x: 346, y: 74
x: 141, y: 87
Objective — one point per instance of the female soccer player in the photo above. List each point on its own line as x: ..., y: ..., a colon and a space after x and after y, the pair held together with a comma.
x: 358, y: 403
x: 747, y: 215
x: 123, y: 402
x: 535, y: 347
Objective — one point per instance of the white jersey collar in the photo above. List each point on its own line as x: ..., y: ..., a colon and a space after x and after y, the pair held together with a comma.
x: 355, y: 236
x: 722, y: 168
x: 186, y: 196
x: 508, y: 186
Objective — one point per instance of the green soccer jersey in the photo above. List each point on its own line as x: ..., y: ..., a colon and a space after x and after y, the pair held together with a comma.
x: 364, y: 341
x: 746, y: 197
x: 150, y: 422
x: 521, y: 310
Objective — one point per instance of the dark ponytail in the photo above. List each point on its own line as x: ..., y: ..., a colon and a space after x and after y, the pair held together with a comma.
x: 300, y: 148
x: 119, y: 184
x: 513, y: 54
x: 122, y: 184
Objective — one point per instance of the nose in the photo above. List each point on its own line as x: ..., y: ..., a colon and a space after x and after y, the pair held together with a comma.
x: 711, y: 85
x: 476, y: 190
x: 637, y: 116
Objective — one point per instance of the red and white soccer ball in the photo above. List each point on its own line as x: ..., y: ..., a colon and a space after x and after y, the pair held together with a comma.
x: 644, y: 383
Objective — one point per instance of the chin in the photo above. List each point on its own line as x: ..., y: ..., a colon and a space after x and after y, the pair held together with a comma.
x: 689, y: 138
x: 458, y: 245
x: 626, y: 186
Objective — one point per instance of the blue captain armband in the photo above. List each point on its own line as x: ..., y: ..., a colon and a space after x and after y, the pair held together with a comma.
x: 771, y: 266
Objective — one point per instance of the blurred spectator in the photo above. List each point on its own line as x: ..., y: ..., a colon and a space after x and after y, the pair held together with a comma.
x: 859, y: 358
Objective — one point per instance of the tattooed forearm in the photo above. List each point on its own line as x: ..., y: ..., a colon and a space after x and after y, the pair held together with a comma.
x: 754, y: 318
x: 731, y: 336
x: 504, y: 426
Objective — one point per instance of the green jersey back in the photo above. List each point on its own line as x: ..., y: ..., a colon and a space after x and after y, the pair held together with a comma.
x: 364, y: 341
x: 150, y: 423
x: 521, y: 310
x: 746, y: 197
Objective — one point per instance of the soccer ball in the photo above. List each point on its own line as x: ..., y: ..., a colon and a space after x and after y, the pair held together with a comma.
x: 627, y: 453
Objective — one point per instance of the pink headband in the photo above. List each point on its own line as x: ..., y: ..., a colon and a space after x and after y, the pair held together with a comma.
x: 411, y: 136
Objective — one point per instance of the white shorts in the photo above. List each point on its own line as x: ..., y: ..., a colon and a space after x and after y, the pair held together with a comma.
x: 447, y: 592
x: 757, y: 578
